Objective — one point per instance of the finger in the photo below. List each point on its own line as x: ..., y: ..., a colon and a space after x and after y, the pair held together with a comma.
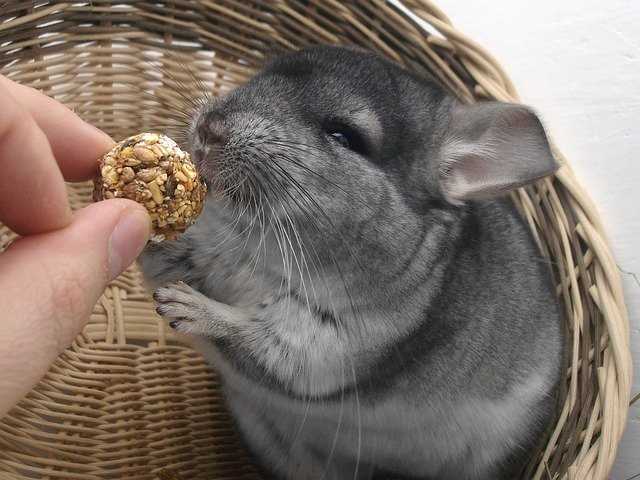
x: 33, y: 197
x: 76, y: 145
x: 49, y: 284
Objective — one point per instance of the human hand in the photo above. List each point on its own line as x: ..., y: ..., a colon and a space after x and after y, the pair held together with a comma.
x: 52, y: 277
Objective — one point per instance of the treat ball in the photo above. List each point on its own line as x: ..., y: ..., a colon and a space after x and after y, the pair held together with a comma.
x: 152, y: 170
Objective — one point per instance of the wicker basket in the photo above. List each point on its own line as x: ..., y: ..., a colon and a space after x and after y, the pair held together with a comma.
x: 129, y: 399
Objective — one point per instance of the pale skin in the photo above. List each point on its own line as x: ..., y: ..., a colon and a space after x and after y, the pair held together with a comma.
x: 51, y: 278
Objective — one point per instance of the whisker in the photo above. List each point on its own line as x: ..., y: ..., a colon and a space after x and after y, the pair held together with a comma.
x: 297, y: 163
x: 292, y: 224
x: 359, y: 419
x: 253, y: 189
x: 338, y: 427
x: 302, y: 263
x: 319, y: 209
x: 291, y: 257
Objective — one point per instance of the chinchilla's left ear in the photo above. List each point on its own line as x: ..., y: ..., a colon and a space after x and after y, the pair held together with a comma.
x: 490, y: 149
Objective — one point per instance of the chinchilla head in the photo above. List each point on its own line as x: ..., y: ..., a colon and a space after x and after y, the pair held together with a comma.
x: 353, y: 159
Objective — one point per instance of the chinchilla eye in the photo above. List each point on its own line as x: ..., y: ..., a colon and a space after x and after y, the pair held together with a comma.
x: 341, y: 138
x: 347, y: 137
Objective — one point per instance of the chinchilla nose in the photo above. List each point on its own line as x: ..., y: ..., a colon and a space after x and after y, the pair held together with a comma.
x: 212, y: 129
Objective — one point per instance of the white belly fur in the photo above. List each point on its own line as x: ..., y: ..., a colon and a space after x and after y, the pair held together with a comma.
x: 428, y: 436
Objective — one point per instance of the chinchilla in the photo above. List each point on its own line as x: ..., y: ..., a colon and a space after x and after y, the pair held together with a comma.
x: 374, y: 303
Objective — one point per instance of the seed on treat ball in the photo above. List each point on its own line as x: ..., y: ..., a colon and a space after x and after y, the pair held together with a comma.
x: 151, y: 169
x: 181, y: 176
x: 147, y: 174
x: 145, y: 155
x: 156, y: 194
x: 127, y: 174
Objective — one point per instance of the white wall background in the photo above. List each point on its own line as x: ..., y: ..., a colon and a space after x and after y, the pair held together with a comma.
x: 578, y: 63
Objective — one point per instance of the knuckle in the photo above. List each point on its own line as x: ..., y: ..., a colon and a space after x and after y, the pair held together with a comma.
x: 13, y: 119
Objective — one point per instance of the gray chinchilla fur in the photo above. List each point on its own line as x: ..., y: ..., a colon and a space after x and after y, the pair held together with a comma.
x: 375, y: 305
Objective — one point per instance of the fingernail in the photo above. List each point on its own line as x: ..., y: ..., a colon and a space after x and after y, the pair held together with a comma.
x: 127, y: 240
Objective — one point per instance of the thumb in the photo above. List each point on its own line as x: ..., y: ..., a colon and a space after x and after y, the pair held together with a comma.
x: 50, y: 282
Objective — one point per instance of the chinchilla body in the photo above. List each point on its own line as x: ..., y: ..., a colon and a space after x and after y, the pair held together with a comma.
x: 374, y: 303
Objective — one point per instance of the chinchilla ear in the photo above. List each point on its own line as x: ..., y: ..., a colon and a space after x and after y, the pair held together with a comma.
x: 490, y: 149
